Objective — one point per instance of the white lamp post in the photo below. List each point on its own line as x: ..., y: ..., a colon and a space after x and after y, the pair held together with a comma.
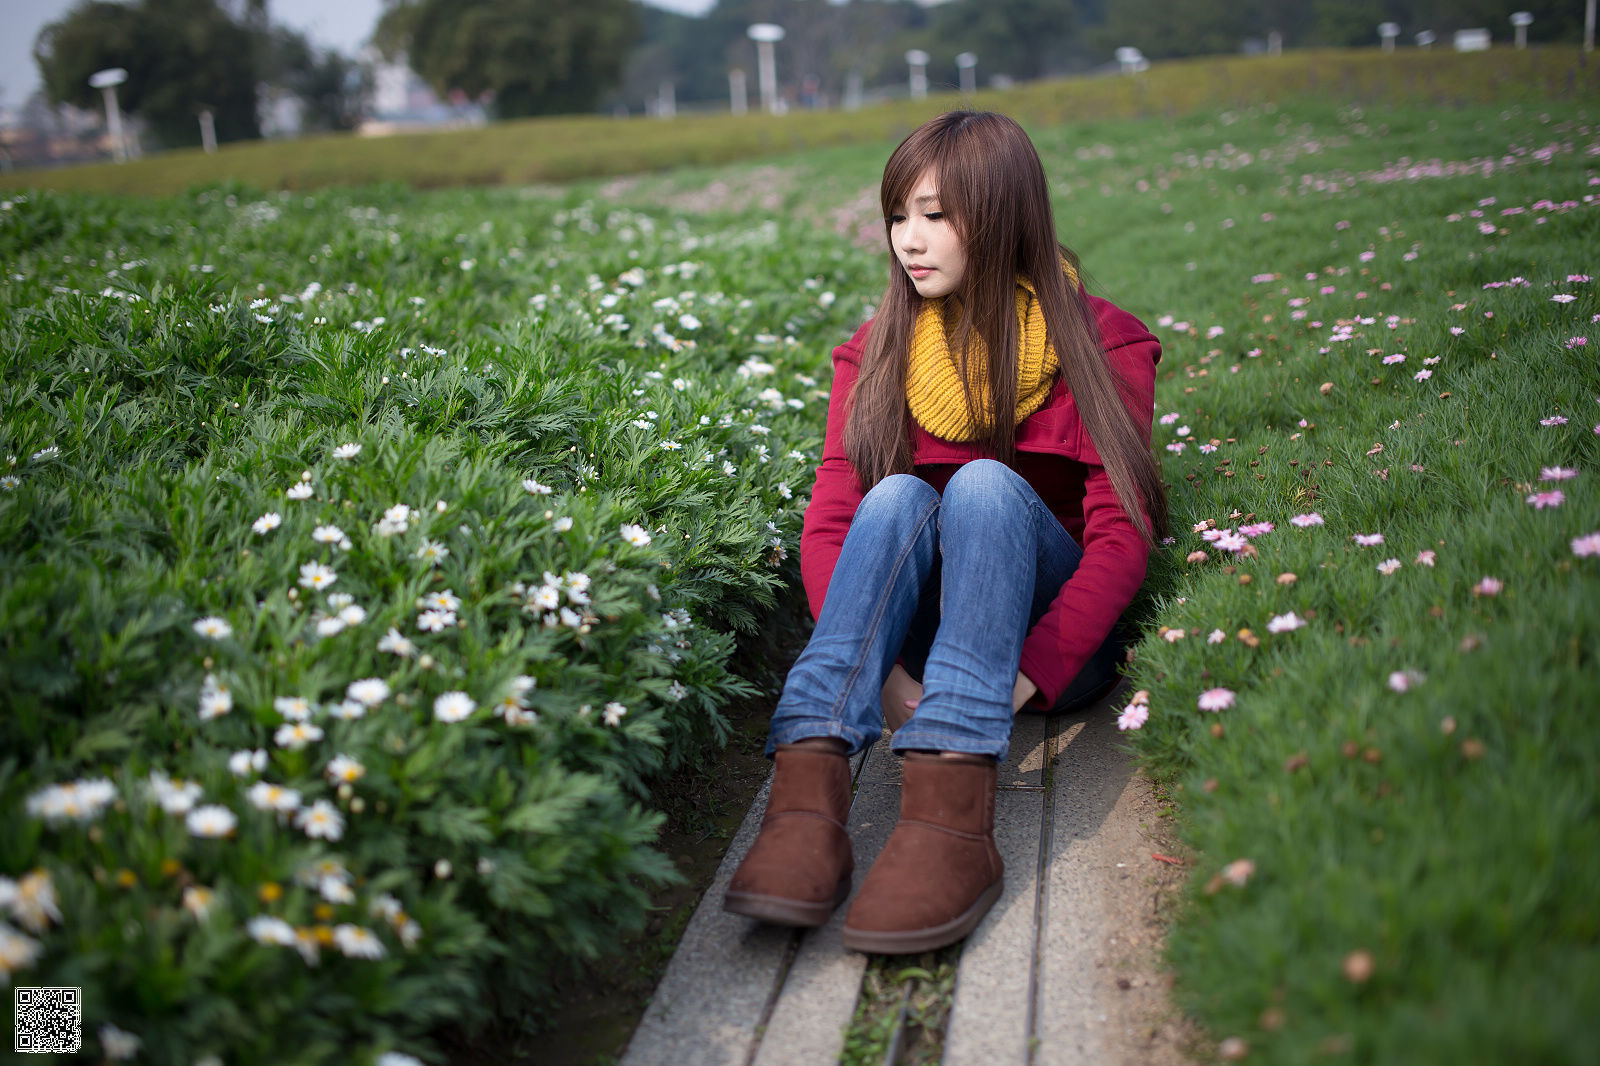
x: 208, y: 131
x: 1388, y: 31
x: 1588, y: 26
x: 107, y: 81
x: 1522, y: 20
x: 1131, y: 60
x: 1425, y: 40
x: 738, y: 99
x: 917, y: 60
x: 1274, y: 43
x: 766, y: 34
x: 967, y: 62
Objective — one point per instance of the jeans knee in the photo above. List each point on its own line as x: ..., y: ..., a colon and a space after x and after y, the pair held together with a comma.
x: 898, y: 496
x: 986, y: 489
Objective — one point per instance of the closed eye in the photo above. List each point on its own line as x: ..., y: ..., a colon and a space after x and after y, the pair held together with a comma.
x: 934, y: 215
x: 893, y: 219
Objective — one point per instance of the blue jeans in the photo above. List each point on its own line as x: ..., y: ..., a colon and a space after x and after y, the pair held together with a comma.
x: 950, y: 584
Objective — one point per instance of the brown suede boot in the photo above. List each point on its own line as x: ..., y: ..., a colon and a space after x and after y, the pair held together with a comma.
x: 798, y: 870
x: 940, y: 872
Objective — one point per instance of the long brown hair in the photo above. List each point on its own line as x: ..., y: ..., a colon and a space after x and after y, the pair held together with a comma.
x: 992, y: 189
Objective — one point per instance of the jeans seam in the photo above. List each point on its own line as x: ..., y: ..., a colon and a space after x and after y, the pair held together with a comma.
x: 836, y: 711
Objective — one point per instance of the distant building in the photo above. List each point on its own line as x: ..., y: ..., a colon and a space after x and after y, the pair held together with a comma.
x: 38, y: 134
x: 402, y: 101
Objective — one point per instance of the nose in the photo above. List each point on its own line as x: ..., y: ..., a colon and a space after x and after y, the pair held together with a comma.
x: 910, y: 237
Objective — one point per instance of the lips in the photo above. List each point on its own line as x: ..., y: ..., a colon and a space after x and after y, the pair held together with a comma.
x: 919, y: 272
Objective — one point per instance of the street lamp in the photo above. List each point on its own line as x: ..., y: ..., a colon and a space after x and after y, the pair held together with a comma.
x: 968, y: 64
x: 107, y: 81
x: 1522, y: 20
x: 1388, y: 31
x: 766, y: 34
x: 917, y: 60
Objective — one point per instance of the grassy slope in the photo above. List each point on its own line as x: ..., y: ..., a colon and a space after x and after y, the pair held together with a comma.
x: 1467, y: 880
x: 559, y: 149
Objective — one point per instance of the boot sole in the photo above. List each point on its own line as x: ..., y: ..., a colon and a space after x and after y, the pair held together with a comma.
x: 913, y: 941
x: 780, y: 910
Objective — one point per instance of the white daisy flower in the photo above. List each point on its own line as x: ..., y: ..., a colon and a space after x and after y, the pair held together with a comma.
x: 562, y: 524
x: 293, y: 708
x: 396, y: 644
x: 344, y: 768
x: 612, y: 715
x: 357, y: 942
x: 118, y: 1043
x: 321, y: 819
x: 267, y: 522
x: 245, y: 761
x: 432, y: 551
x: 213, y: 628
x: 353, y: 615
x: 327, y: 534
x: 347, y: 451
x: 215, y: 698
x: 347, y: 710
x: 635, y: 535
x: 267, y: 929
x: 316, y: 576
x: 300, y: 491
x: 266, y: 796
x: 327, y: 627
x: 211, y: 820
x: 442, y: 600
x: 453, y: 707
x: 297, y: 735
x: 533, y: 488
x: 370, y: 691
x: 435, y: 621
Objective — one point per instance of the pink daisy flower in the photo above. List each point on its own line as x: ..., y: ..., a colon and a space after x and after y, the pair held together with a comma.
x: 1133, y: 716
x: 1554, y: 420
x: 1216, y: 699
x: 1489, y: 586
x: 1541, y: 500
x: 1368, y: 540
x: 1388, y: 566
x: 1304, y: 521
x: 1586, y: 545
x: 1424, y: 558
x: 1556, y: 473
x: 1404, y: 680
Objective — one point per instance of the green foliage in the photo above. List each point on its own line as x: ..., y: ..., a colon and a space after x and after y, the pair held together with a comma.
x: 532, y: 57
x: 554, y: 455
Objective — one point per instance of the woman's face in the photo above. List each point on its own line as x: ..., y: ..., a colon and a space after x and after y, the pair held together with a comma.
x: 925, y: 243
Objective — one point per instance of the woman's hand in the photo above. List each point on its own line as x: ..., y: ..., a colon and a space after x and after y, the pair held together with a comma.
x: 901, y: 694
x: 1022, y: 692
x: 900, y: 697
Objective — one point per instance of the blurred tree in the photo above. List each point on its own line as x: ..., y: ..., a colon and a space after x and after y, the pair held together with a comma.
x: 534, y: 57
x: 185, y: 55
x: 1019, y: 38
x: 180, y: 55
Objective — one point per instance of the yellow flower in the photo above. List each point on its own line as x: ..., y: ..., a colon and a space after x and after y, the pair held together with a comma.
x: 126, y: 878
x: 270, y: 892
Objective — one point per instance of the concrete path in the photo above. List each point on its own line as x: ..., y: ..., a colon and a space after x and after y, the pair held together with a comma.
x: 1063, y: 970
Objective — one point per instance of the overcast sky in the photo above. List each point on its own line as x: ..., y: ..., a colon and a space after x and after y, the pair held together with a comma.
x: 341, y: 24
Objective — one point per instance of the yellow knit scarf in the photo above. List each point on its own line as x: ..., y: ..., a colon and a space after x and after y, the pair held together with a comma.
x: 933, y: 382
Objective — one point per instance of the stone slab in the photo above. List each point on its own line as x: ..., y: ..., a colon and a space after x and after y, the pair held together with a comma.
x: 989, y: 1016
x: 819, y: 995
x: 721, y: 978
x: 1097, y: 851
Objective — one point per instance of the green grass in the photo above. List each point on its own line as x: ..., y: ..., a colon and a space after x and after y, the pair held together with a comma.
x: 1456, y: 845
x: 561, y: 149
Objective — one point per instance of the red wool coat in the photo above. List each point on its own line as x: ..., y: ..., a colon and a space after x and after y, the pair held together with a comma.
x: 1056, y: 457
